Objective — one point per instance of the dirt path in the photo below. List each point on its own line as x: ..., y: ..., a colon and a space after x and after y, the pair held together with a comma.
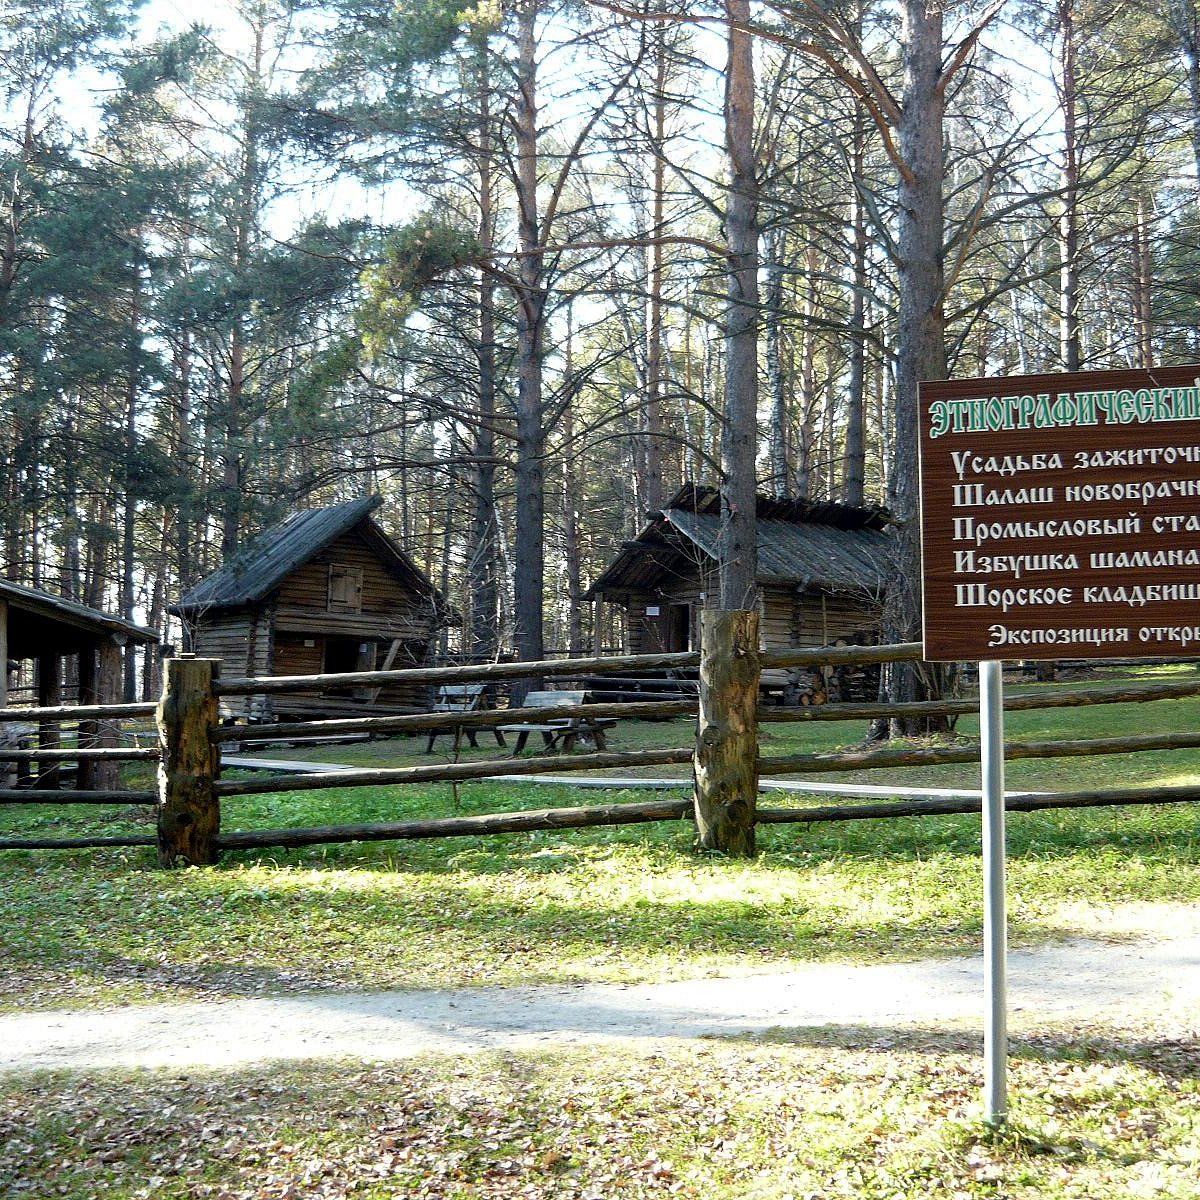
x: 1142, y: 984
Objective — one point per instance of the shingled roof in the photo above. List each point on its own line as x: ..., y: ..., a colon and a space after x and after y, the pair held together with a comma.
x: 39, y: 621
x: 830, y: 547
x: 260, y: 566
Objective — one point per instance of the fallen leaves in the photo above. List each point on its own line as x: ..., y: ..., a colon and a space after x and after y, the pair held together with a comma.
x: 829, y: 1120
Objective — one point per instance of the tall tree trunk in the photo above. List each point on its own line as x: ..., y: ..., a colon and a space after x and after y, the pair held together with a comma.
x: 809, y: 406
x: 529, y: 541
x: 1143, y: 285
x: 921, y: 349
x: 129, y: 509
x: 249, y: 202
x: 652, y: 488
x: 779, y: 457
x: 1069, y: 337
x: 854, y: 462
x: 185, y: 552
x: 737, y: 548
x: 570, y: 505
x: 482, y: 566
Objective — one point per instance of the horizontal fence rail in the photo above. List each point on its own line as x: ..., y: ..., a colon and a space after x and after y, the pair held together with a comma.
x: 35, y: 795
x: 554, y: 668
x: 79, y: 843
x: 590, y: 816
x: 837, y: 656
x: 968, y: 752
x: 89, y: 753
x: 1015, y: 702
x: 961, y: 806
x: 420, y: 722
x: 190, y: 738
x: 78, y: 712
x: 95, y: 731
x: 452, y: 772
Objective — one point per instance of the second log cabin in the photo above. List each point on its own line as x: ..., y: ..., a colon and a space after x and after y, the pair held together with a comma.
x: 822, y: 571
x: 325, y: 591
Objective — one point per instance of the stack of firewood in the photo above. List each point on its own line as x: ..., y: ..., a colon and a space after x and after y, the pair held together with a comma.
x: 849, y: 684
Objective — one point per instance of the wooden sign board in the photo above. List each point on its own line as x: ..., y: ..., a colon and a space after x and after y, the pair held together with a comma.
x: 1060, y: 515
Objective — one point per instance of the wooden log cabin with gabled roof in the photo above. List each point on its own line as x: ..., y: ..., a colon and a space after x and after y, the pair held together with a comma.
x: 822, y: 570
x: 326, y: 590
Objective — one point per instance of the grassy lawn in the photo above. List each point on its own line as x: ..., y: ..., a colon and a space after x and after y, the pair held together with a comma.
x: 853, y: 1114
x: 626, y: 904
x: 811, y: 1114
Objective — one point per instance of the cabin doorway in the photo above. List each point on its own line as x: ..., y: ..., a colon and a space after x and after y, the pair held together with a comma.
x: 343, y: 654
x: 679, y: 627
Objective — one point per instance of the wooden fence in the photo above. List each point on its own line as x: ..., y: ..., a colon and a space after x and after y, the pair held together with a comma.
x: 724, y: 754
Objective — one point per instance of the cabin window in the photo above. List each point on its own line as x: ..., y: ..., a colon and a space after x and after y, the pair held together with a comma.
x: 345, y: 588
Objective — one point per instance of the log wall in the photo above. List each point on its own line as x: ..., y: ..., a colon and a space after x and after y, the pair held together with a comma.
x: 293, y: 632
x: 788, y: 619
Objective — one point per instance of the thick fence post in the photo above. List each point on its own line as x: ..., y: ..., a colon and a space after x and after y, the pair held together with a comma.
x: 189, y: 813
x: 726, y: 760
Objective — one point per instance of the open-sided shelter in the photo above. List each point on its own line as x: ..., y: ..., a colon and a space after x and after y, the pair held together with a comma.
x: 46, y: 630
x: 325, y: 591
x: 822, y: 570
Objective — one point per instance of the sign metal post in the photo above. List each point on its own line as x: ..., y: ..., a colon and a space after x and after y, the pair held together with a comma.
x: 1060, y: 518
x: 995, y: 933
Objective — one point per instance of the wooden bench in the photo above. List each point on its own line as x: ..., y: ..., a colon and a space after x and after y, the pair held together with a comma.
x: 460, y: 698
x: 560, y: 732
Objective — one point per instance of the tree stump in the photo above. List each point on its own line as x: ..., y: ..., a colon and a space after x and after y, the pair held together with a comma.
x: 725, y: 765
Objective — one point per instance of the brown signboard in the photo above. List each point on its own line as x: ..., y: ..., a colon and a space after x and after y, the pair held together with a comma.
x: 1060, y: 515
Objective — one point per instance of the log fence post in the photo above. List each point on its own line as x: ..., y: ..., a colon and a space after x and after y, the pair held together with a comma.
x: 725, y: 766
x: 189, y: 811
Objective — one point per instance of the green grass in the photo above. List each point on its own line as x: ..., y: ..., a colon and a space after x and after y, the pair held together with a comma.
x: 854, y: 1114
x: 869, y: 1114
x: 635, y: 903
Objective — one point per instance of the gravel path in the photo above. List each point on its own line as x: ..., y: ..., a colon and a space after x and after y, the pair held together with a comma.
x: 1125, y: 985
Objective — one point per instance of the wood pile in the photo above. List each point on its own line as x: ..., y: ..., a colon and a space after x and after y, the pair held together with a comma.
x: 848, y: 684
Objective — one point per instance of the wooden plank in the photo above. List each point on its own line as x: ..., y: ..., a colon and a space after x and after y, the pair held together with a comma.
x: 1013, y: 702
x: 836, y: 655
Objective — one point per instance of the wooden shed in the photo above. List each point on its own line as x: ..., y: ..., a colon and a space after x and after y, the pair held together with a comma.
x: 822, y: 570
x: 60, y: 637
x: 327, y: 590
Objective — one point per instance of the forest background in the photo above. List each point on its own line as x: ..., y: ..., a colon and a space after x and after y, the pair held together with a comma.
x: 524, y: 268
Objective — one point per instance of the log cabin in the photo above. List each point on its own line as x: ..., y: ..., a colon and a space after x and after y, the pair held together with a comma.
x: 822, y: 570
x: 61, y: 637
x: 325, y: 591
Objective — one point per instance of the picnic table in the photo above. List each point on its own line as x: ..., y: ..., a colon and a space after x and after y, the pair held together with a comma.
x: 460, y: 698
x: 561, y: 733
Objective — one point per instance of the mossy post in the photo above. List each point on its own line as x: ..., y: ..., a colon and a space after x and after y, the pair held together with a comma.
x: 189, y: 812
x: 726, y: 760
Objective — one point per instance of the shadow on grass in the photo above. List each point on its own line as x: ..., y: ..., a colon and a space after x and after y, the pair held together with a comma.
x: 1177, y: 1059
